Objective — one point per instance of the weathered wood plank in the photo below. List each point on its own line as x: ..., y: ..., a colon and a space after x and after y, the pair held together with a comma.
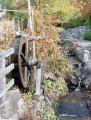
x: 2, y: 67
x: 18, y: 11
x: 6, y: 53
x: 34, y: 38
x: 6, y: 70
x: 38, y: 82
x: 6, y: 87
x: 3, y: 80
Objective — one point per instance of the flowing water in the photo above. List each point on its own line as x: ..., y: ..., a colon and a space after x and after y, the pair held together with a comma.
x: 79, y: 85
x: 76, y: 105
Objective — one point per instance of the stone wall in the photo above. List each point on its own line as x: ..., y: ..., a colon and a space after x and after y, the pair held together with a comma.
x: 82, y: 48
x: 74, y: 33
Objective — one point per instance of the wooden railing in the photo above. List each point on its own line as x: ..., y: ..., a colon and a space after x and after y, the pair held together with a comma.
x: 3, y: 72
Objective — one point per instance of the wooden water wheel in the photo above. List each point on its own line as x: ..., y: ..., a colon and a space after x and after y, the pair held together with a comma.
x: 21, y: 73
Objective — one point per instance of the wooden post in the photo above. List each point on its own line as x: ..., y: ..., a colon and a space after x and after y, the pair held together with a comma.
x: 38, y: 81
x: 30, y: 19
x: 13, y: 26
x: 3, y: 79
x: 32, y: 22
x: 18, y: 24
x: 31, y: 28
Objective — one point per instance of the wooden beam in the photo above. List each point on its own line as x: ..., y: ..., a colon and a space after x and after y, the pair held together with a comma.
x: 34, y: 38
x: 6, y: 53
x: 7, y: 87
x: 6, y: 70
x: 14, y: 10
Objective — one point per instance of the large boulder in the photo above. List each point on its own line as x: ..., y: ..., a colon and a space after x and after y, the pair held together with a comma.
x: 13, y: 107
x: 87, y: 82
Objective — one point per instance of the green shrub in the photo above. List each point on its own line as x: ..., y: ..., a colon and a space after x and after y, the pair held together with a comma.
x: 24, y: 17
x: 74, y: 23
x: 90, y: 21
x: 87, y: 36
x: 86, y: 23
x: 67, y: 45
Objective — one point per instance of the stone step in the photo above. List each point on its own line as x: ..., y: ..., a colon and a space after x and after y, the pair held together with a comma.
x: 73, y: 109
x: 76, y: 106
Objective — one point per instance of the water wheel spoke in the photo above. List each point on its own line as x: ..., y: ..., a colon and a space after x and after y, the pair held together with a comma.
x: 22, y: 68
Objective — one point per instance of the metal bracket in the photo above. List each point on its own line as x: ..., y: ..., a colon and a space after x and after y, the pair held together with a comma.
x: 39, y: 65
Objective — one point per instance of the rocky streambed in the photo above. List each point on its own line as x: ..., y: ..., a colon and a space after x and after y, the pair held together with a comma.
x: 77, y: 105
x: 81, y: 48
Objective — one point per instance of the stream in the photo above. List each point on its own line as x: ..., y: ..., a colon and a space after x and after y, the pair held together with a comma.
x: 77, y: 104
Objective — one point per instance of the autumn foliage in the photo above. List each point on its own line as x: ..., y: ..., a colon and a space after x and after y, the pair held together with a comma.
x: 86, y: 10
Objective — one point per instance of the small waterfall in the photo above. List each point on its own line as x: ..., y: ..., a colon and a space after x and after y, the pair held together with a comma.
x: 78, y: 66
x: 83, y: 75
x: 79, y: 85
x: 80, y: 78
